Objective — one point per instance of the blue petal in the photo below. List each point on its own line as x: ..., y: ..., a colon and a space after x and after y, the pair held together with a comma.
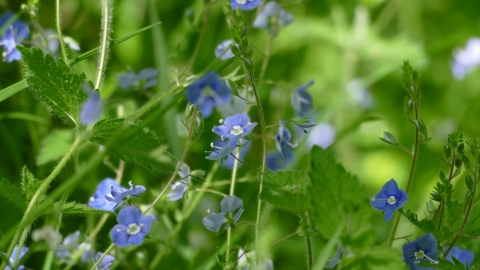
x: 389, y: 210
x: 98, y: 199
x: 223, y: 50
x: 106, y: 262
x: 230, y: 204
x: 428, y: 243
x: 240, y: 119
x: 127, y: 80
x: 285, y: 18
x: 214, y: 222
x: 206, y: 108
x: 390, y: 189
x: 91, y: 110
x: 129, y: 215
x: 379, y: 201
x: 463, y: 255
x: 222, y: 131
x: 276, y: 162
x: 119, y: 235
x: 147, y: 223
x: 261, y: 22
x: 11, y: 260
x: 148, y: 73
x: 243, y: 152
x: 224, y: 151
x: 178, y: 189
x: 249, y: 5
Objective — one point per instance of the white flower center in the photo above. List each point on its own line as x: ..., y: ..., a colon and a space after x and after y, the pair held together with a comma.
x: 241, y: 2
x: 392, y: 200
x: 419, y: 255
x: 133, y: 228
x: 236, y: 130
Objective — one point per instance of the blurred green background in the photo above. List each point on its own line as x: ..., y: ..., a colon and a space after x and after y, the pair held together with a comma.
x: 347, y: 47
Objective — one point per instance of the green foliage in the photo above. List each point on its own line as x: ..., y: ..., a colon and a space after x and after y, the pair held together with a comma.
x: 30, y: 184
x: 54, y: 83
x: 75, y: 209
x: 13, y: 194
x: 377, y: 258
x: 335, y: 195
x: 128, y: 144
x: 55, y: 145
x: 12, y: 90
x: 427, y: 225
x: 286, y: 190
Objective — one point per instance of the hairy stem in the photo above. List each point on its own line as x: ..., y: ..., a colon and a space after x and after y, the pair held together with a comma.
x: 450, y: 176
x: 21, y: 244
x: 59, y: 31
x: 104, y: 41
x: 232, y: 190
x: 268, y: 51
x: 310, y: 252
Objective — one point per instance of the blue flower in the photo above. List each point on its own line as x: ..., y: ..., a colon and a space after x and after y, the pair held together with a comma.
x: 146, y: 78
x: 223, y: 50
x: 276, y: 161
x: 11, y: 260
x: 331, y: 263
x: 98, y: 199
x: 284, y: 143
x: 466, y: 59
x: 207, y: 92
x: 106, y: 262
x: 13, y: 35
x: 245, y: 4
x: 322, y: 135
x: 424, y: 249
x: 235, y: 127
x: 222, y: 151
x: 273, y: 16
x: 228, y: 163
x: 132, y: 227
x: 71, y: 244
x: 92, y: 109
x: 463, y: 255
x: 389, y: 199
x: 302, y: 101
x: 232, y: 209
x: 118, y: 196
x: 180, y: 187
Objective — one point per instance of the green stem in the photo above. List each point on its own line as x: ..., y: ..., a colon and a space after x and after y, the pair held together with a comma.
x: 232, y: 192
x: 104, y: 44
x: 21, y: 243
x: 450, y: 177
x: 59, y: 31
x: 268, y: 51
x: 310, y: 252
x: 103, y: 256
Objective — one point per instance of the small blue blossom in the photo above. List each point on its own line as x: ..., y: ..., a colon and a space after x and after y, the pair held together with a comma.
x: 235, y: 127
x: 106, y: 262
x: 322, y: 135
x: 207, y: 92
x: 92, y: 109
x: 424, y: 249
x: 222, y: 151
x: 13, y: 35
x: 465, y: 60
x: 146, y: 78
x: 245, y: 4
x: 98, y: 200
x: 273, y: 16
x: 302, y: 101
x: 389, y: 199
x: 118, y: 196
x: 284, y: 143
x: 132, y: 227
x: 228, y: 163
x: 276, y: 161
x: 223, y: 50
x: 232, y: 209
x: 71, y: 244
x: 463, y: 255
x: 11, y: 260
x: 180, y: 187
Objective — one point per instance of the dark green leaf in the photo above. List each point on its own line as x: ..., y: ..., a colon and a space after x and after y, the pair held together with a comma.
x: 30, y: 184
x: 55, y: 145
x: 13, y: 194
x: 76, y: 209
x: 285, y: 190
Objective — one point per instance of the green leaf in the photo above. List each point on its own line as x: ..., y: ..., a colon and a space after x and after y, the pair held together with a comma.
x: 13, y: 194
x: 427, y: 225
x: 130, y: 145
x: 54, y: 84
x: 285, y: 190
x: 377, y: 258
x: 335, y: 195
x: 75, y: 209
x: 55, y: 145
x: 30, y: 184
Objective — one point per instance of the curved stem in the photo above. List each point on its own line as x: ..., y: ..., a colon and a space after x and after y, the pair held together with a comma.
x: 232, y: 190
x: 104, y: 44
x: 59, y: 31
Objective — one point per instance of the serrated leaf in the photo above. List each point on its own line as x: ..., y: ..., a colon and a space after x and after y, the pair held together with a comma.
x: 377, y: 258
x: 55, y: 145
x: 427, y: 225
x: 30, y: 184
x: 285, y: 190
x: 54, y: 83
x: 13, y: 194
x: 335, y: 195
x: 129, y: 145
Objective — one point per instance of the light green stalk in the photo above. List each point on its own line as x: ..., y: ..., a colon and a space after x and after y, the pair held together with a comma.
x: 59, y: 31
x: 232, y: 192
x: 107, y: 9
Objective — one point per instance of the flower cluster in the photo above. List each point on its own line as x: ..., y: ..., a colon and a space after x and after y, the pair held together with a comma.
x: 15, y: 33
x: 232, y: 209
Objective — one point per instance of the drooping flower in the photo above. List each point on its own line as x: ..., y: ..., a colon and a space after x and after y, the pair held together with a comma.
x: 232, y: 209
x: 465, y: 60
x: 284, y: 143
x: 302, y: 101
x: 389, y: 199
x: 11, y: 260
x: 207, y: 92
x: 71, y: 243
x: 245, y: 260
x: 463, y: 255
x: 92, y: 109
x: 106, y: 262
x: 424, y: 249
x: 272, y: 17
x: 146, y: 78
x: 180, y: 187
x: 331, y: 263
x: 223, y: 50
x: 235, y: 127
x: 222, y: 151
x: 228, y: 163
x: 276, y: 161
x: 14, y: 34
x: 132, y: 227
x: 322, y: 135
x: 98, y: 199
x: 245, y: 4
x: 118, y: 196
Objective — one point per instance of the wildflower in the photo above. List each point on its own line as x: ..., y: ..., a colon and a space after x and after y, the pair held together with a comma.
x: 302, y: 101
x: 11, y: 260
x: 463, y: 255
x: 276, y: 162
x: 245, y: 4
x: 273, y: 16
x: 424, y: 249
x: 118, y: 196
x: 222, y: 151
x: 322, y: 135
x: 245, y: 260
x: 13, y: 35
x: 146, y: 78
x: 331, y: 263
x: 235, y: 127
x: 71, y: 244
x: 207, y: 92
x: 92, y: 109
x: 132, y: 227
x: 223, y: 50
x: 232, y: 209
x: 283, y: 142
x: 389, y: 199
x: 98, y: 199
x: 465, y: 60
x: 180, y: 187
x: 228, y: 163
x: 106, y: 262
